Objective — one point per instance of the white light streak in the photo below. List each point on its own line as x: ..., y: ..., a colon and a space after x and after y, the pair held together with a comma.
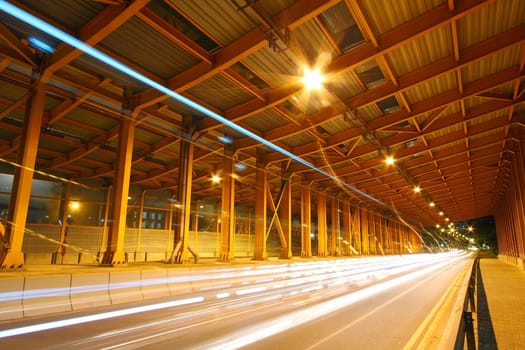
x: 110, y: 61
x: 96, y: 317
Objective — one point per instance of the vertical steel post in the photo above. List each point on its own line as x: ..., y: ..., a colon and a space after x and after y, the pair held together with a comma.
x: 12, y: 256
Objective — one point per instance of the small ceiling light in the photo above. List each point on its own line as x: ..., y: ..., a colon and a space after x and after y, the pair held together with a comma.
x: 312, y: 79
x: 437, y: 226
x: 432, y: 204
x: 74, y: 205
x: 389, y: 160
x: 447, y: 219
x: 440, y: 213
x: 470, y: 229
x: 215, y: 179
x: 417, y: 189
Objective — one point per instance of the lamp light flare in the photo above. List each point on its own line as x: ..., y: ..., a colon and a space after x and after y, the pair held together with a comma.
x: 417, y: 189
x: 313, y: 79
x: 215, y: 179
x: 389, y: 160
x: 432, y: 204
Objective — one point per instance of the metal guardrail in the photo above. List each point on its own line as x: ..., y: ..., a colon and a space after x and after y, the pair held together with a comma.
x: 466, y: 327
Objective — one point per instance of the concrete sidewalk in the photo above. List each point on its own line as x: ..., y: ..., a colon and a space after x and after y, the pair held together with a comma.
x: 501, y: 306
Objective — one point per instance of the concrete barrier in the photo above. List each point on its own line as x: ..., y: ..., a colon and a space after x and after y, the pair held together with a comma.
x: 124, y: 286
x: 11, y: 293
x: 46, y: 294
x: 89, y: 290
x: 154, y: 284
x: 179, y: 281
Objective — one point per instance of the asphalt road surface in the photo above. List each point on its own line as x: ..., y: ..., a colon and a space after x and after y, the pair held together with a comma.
x: 364, y: 304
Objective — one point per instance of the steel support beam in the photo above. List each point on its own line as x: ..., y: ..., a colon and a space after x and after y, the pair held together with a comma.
x: 261, y: 179
x: 322, y: 247
x: 306, y: 220
x: 335, y: 227
x: 285, y: 212
x: 114, y: 253
x: 180, y: 252
x: 227, y: 247
x: 365, y: 233
x: 12, y: 256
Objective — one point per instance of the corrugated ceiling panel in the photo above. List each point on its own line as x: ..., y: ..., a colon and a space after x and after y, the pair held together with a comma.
x: 265, y: 121
x: 487, y: 117
x: 443, y: 132
x: 102, y: 156
x: 273, y: 67
x: 103, y: 71
x: 274, y: 7
x: 346, y: 85
x: 312, y: 101
x: 150, y: 138
x: 220, y: 19
x: 93, y: 119
x: 422, y: 51
x: 297, y: 140
x: 385, y: 15
x: 485, y: 134
x: 11, y: 92
x: 492, y: 64
x: 336, y: 125
x: 220, y: 92
x: 452, y: 108
x: 55, y: 146
x: 76, y: 131
x: 140, y: 44
x: 431, y: 88
x: 369, y: 112
x: 72, y: 15
x: 309, y: 44
x: 487, y: 22
x: 506, y: 90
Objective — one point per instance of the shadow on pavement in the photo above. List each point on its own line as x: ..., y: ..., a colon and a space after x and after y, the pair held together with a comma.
x: 486, y: 337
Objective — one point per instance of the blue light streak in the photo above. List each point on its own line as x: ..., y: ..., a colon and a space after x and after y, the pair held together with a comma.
x: 110, y: 61
x: 39, y: 44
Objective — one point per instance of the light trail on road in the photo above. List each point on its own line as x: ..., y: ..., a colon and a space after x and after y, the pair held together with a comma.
x: 259, y: 302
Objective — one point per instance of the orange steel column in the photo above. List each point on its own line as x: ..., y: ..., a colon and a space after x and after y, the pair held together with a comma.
x: 61, y: 249
x: 365, y: 236
x: 336, y: 228
x: 520, y: 179
x: 347, y: 229
x: 227, y: 247
x: 285, y: 212
x: 12, y: 257
x: 321, y: 225
x: 356, y: 230
x: 114, y: 254
x: 517, y: 206
x: 372, y: 233
x: 261, y: 179
x: 180, y: 253
x: 306, y: 220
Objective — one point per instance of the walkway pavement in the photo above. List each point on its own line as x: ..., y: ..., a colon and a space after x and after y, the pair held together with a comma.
x: 501, y: 306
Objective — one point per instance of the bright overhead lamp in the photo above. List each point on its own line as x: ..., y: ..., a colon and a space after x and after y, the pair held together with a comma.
x: 312, y: 79
x: 417, y: 189
x: 441, y: 213
x: 432, y: 204
x: 215, y: 179
x: 389, y: 160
